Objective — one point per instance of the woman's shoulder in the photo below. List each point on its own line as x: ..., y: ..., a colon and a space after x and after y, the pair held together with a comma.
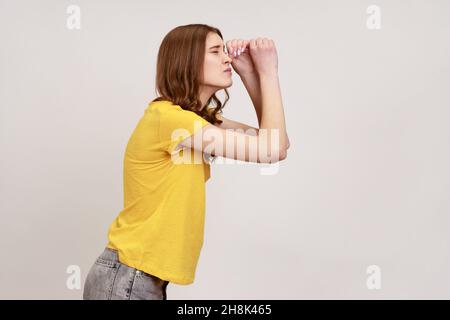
x: 164, y: 105
x: 167, y: 109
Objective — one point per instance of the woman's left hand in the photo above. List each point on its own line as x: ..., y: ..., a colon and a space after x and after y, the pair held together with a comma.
x: 242, y: 63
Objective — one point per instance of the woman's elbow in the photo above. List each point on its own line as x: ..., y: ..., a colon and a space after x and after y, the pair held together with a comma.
x: 279, y: 155
x: 283, y: 154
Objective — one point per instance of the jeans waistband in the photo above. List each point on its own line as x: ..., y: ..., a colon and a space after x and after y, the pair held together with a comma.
x: 110, y: 255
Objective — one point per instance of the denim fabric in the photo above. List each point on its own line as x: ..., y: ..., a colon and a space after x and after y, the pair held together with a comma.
x: 109, y: 279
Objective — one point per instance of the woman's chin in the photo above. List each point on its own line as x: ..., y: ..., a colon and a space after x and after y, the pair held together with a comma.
x: 229, y: 84
x: 225, y: 85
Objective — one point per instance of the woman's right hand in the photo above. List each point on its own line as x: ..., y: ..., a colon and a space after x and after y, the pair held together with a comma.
x: 264, y: 56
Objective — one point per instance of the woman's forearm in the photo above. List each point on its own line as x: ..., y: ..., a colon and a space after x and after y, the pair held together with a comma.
x: 272, y: 108
x: 253, y: 87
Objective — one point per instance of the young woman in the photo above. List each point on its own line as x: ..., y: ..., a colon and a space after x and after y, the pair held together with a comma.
x: 157, y: 237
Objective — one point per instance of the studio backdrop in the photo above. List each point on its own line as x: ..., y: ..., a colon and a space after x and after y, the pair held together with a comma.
x: 359, y: 209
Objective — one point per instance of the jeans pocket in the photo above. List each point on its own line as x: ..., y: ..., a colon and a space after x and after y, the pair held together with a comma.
x: 100, y: 280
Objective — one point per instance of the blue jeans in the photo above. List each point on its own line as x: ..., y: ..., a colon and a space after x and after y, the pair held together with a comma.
x: 109, y: 279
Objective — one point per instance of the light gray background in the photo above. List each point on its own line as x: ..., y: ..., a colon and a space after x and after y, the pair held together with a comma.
x: 366, y: 181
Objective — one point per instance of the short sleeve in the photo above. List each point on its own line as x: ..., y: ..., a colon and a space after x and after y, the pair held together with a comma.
x: 177, y: 125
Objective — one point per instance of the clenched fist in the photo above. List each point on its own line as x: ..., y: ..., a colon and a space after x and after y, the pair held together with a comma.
x: 257, y: 55
x: 264, y: 55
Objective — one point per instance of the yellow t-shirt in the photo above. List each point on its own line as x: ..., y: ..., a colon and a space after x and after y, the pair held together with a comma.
x: 160, y: 229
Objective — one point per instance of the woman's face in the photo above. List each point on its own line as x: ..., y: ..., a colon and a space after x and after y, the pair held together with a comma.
x: 216, y: 62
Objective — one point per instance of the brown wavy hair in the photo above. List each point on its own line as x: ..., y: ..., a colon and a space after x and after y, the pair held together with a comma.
x: 180, y: 67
